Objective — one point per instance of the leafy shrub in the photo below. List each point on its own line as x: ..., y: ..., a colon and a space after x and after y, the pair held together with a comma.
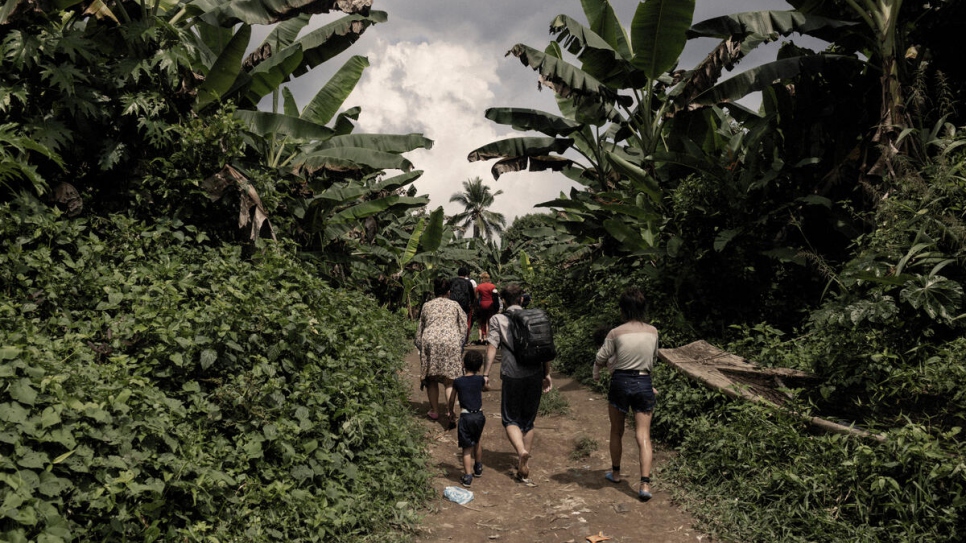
x: 583, y: 447
x: 160, y: 389
x: 553, y: 403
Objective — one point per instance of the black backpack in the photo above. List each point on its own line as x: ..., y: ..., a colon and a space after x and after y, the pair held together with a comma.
x: 461, y: 292
x: 532, y: 336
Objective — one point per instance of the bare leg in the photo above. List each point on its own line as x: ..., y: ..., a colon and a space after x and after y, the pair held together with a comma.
x: 450, y: 398
x: 521, y: 444
x: 478, y: 452
x: 616, y: 439
x: 432, y: 392
x: 643, y: 435
x: 468, y: 459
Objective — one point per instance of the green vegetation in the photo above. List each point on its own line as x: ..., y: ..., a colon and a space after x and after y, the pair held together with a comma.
x: 583, y: 447
x: 794, y: 236
x: 209, y: 306
x: 145, y: 372
x: 553, y: 403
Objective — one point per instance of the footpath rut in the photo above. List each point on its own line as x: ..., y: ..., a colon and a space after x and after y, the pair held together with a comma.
x: 571, y: 499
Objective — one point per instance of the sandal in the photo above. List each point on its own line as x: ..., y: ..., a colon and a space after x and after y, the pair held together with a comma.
x: 610, y: 474
x: 644, y: 495
x: 433, y: 415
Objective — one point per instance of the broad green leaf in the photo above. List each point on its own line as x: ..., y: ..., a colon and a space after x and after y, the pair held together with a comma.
x: 724, y: 237
x: 412, y: 245
x: 531, y: 119
x: 765, y: 23
x: 262, y: 12
x: 289, y: 106
x: 343, y: 159
x: 33, y: 460
x: 327, y: 102
x: 8, y: 352
x: 13, y: 413
x: 756, y: 79
x: 641, y: 180
x: 562, y: 77
x: 285, y: 33
x: 332, y: 39
x: 517, y: 147
x: 433, y: 235
x: 264, y: 124
x: 603, y: 21
x: 386, y: 143
x: 631, y: 239
x: 373, y: 207
x: 659, y: 33
x: 268, y: 75
x: 207, y: 358
x: 223, y: 73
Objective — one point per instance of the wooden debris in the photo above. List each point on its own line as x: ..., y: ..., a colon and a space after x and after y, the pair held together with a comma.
x: 739, y: 378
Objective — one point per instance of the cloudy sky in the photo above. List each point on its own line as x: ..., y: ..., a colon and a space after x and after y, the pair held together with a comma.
x: 437, y: 65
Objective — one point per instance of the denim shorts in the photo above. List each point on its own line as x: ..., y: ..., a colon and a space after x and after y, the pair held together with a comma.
x: 631, y: 391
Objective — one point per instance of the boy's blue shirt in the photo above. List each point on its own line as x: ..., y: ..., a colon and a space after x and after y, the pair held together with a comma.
x: 469, y: 391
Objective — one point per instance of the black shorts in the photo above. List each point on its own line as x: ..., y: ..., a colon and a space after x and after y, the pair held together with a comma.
x: 470, y: 428
x: 520, y: 400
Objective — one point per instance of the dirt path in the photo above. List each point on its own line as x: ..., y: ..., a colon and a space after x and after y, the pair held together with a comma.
x: 571, y: 499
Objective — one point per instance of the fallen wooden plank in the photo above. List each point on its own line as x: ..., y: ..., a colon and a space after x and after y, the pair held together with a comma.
x: 739, y: 378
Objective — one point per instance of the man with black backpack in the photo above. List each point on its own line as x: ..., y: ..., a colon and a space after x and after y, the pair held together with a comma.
x: 526, y: 349
x: 461, y: 292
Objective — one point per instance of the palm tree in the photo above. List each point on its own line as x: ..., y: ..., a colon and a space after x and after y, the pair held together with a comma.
x: 475, y: 199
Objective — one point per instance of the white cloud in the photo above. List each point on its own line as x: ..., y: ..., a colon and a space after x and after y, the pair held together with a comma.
x: 437, y: 89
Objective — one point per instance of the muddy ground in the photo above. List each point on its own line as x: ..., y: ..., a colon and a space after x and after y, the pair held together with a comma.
x: 571, y: 499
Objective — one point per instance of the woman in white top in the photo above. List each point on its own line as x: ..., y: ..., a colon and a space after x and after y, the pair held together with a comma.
x: 632, y: 346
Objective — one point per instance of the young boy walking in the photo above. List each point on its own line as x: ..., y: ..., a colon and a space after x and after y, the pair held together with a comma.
x: 469, y: 390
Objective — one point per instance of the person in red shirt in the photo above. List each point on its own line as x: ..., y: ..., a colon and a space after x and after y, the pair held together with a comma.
x: 487, y: 304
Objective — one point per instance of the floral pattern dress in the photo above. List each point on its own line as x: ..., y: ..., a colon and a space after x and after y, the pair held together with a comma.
x: 439, y: 338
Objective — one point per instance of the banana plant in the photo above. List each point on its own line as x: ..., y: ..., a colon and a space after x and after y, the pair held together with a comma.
x: 616, y: 131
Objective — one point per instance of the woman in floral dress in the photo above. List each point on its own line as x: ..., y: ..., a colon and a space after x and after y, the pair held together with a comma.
x: 439, y: 338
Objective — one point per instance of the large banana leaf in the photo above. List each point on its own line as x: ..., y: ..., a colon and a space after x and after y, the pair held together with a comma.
x: 398, y: 181
x: 603, y: 21
x: 433, y: 235
x: 631, y: 239
x: 265, y: 124
x: 267, y: 76
x: 266, y: 12
x: 332, y: 39
x: 286, y: 32
x: 326, y: 103
x: 518, y: 147
x: 387, y: 143
x: 764, y: 23
x: 412, y: 246
x: 763, y: 76
x: 374, y: 207
x: 659, y: 33
x: 640, y: 179
x: 345, y: 159
x: 531, y: 119
x: 596, y: 55
x: 225, y: 70
x: 565, y: 79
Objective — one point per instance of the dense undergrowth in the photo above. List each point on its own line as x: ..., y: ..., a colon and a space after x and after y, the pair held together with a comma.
x: 887, y: 343
x: 156, y: 388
